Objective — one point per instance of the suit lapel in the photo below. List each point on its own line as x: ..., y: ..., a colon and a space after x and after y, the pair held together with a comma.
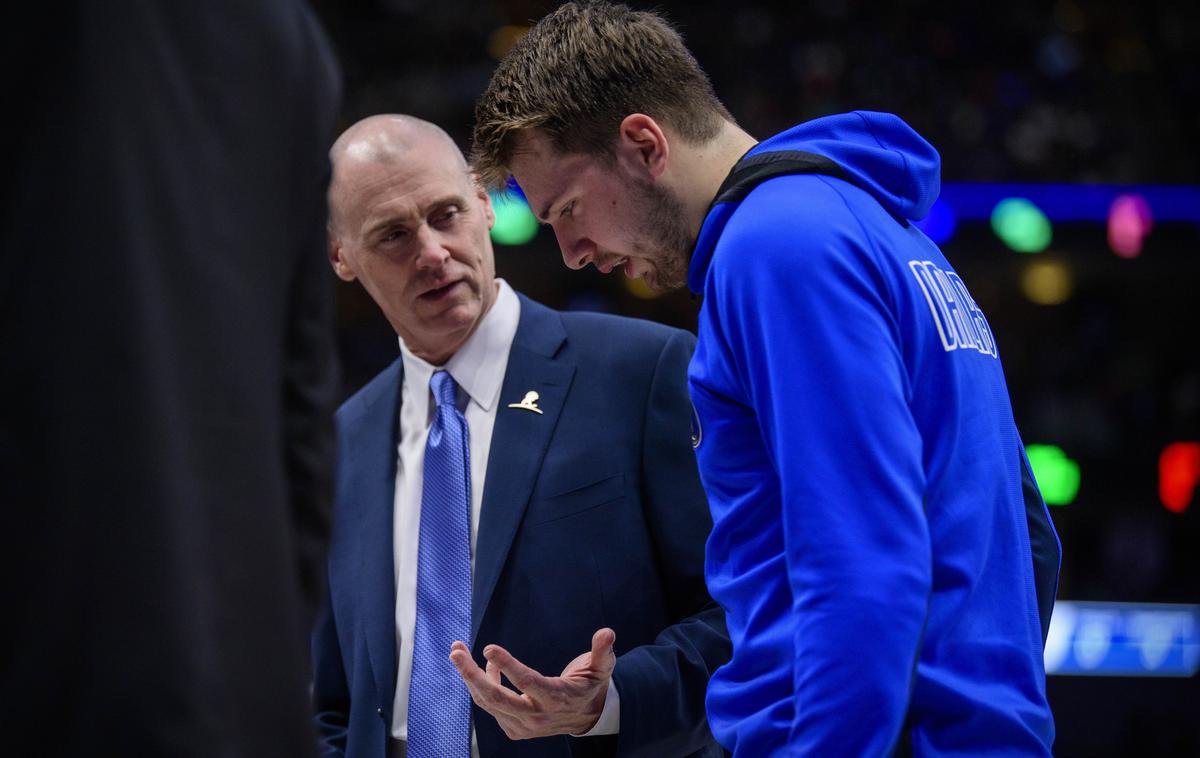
x: 371, y: 474
x: 519, y: 442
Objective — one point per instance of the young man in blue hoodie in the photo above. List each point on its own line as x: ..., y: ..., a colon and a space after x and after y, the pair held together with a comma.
x: 885, y: 559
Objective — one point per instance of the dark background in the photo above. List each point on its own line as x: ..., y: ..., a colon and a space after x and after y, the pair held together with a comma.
x: 1095, y: 92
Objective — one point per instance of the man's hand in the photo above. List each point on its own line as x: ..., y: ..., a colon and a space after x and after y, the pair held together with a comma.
x: 567, y: 704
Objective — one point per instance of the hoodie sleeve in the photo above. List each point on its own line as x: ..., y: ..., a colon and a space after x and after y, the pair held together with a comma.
x: 812, y: 334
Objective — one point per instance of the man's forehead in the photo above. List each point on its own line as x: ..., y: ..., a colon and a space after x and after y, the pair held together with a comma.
x: 541, y: 170
x: 406, y: 189
x: 534, y: 143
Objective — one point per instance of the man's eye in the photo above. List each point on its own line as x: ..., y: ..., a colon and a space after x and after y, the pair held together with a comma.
x: 447, y: 216
x: 393, y: 235
x: 566, y: 210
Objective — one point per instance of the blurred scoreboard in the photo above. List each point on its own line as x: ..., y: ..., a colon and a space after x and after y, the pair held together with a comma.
x: 1123, y: 639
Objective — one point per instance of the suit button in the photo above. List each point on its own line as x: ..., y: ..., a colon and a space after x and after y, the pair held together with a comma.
x: 380, y: 712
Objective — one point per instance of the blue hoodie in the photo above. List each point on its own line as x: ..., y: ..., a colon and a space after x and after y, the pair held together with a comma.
x: 885, y: 560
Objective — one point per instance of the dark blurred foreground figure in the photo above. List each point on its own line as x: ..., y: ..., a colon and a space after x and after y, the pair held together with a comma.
x: 166, y: 384
x: 886, y: 562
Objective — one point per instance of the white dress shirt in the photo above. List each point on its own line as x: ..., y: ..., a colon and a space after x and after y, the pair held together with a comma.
x: 478, y: 370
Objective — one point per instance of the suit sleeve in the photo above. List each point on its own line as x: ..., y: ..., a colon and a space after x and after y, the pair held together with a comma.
x: 331, y: 694
x: 662, y: 685
x: 817, y: 349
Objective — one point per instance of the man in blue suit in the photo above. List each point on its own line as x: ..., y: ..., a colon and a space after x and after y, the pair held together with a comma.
x: 519, y: 480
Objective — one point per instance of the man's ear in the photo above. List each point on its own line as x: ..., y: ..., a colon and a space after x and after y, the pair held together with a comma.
x: 337, y: 258
x: 642, y: 145
x: 488, y: 211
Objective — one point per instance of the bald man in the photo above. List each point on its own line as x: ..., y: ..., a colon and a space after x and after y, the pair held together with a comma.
x: 516, y: 495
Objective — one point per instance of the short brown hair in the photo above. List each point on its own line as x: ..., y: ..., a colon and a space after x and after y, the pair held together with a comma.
x: 579, y: 72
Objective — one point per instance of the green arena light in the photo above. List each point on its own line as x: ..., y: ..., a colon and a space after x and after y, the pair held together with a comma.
x: 1021, y: 225
x: 515, y: 223
x: 1057, y: 475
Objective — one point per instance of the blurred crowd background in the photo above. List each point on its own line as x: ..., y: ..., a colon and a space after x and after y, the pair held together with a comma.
x: 1105, y: 367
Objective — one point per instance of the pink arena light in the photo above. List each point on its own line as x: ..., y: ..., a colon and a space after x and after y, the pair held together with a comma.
x: 1129, y: 221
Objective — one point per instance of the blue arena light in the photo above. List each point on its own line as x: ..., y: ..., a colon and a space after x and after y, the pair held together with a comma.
x: 512, y: 188
x: 974, y: 201
x: 940, y: 223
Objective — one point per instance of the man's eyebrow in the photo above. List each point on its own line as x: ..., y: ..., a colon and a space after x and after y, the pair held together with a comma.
x: 443, y: 201
x: 382, y: 224
x: 394, y: 218
x: 544, y: 216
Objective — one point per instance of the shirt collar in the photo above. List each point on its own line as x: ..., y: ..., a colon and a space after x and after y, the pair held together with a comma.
x: 479, y: 365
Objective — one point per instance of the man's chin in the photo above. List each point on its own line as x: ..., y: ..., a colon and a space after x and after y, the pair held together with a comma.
x: 450, y: 315
x: 663, y: 289
x: 661, y: 282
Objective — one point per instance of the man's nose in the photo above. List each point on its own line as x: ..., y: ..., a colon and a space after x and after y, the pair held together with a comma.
x: 576, y: 253
x: 431, y: 253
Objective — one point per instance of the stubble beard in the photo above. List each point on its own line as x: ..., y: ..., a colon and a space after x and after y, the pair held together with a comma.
x: 663, y: 236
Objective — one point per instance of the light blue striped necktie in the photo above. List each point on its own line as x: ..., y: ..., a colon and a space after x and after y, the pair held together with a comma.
x: 439, y: 706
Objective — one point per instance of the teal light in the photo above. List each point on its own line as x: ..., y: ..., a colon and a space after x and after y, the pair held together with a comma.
x: 1057, y: 475
x: 1021, y: 225
x: 515, y: 223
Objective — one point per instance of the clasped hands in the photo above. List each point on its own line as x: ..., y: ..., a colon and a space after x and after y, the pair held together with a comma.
x: 570, y: 703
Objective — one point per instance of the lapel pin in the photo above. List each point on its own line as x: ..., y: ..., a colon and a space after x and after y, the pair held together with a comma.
x: 529, y: 402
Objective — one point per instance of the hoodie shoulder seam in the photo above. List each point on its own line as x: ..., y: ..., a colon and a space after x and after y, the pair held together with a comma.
x: 870, y: 240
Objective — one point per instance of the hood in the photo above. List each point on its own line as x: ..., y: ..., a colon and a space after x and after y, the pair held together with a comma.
x: 875, y: 151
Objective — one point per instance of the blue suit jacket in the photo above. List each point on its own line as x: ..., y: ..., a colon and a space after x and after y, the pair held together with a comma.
x: 593, y: 515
